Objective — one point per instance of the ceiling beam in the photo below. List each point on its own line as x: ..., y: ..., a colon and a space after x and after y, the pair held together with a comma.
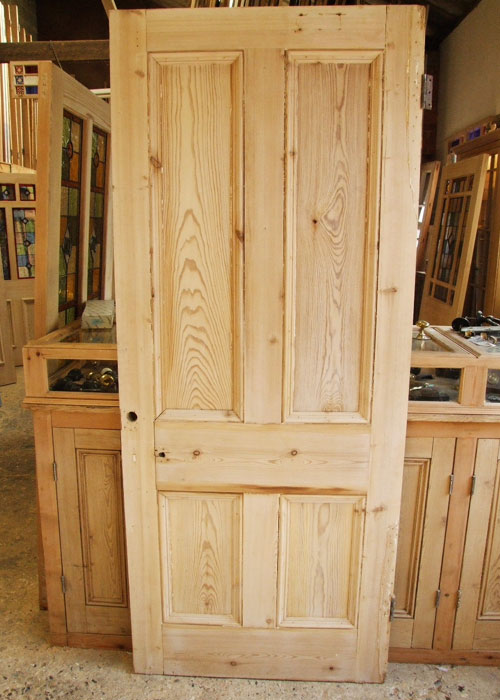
x: 81, y: 50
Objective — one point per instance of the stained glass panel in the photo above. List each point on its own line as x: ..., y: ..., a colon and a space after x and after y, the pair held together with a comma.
x: 69, y: 251
x: 97, y: 207
x: 27, y: 193
x: 4, y: 245
x: 24, y: 231
x: 7, y: 192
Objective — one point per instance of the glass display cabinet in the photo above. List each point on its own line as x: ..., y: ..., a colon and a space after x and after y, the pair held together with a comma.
x: 72, y: 365
x: 442, y: 374
x: 484, y: 344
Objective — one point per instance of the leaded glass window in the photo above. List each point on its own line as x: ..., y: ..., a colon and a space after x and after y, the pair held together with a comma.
x: 27, y: 193
x: 7, y: 192
x: 24, y: 231
x: 97, y: 213
x: 69, y: 250
x: 4, y: 245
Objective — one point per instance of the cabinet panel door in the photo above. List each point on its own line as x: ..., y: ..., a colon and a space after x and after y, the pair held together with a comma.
x: 422, y: 526
x: 266, y: 196
x: 477, y: 624
x: 90, y: 503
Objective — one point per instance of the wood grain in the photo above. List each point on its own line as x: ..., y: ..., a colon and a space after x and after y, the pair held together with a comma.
x: 411, y: 525
x: 201, y: 558
x: 454, y: 542
x: 480, y: 528
x: 264, y: 183
x: 100, y: 496
x: 490, y: 593
x: 92, y: 542
x: 327, y: 189
x: 295, y: 654
x: 320, y: 560
x: 260, y: 557
x: 131, y: 214
x: 438, y: 497
x: 198, y: 108
x: 399, y: 144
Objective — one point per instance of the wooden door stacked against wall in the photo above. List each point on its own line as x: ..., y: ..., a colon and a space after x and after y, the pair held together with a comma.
x: 263, y: 394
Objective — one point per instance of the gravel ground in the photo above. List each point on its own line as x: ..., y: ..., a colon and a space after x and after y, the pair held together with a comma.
x: 31, y: 668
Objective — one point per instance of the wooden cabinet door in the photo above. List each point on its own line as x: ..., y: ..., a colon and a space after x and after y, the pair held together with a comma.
x: 422, y: 526
x: 477, y: 624
x: 90, y: 505
x: 265, y: 184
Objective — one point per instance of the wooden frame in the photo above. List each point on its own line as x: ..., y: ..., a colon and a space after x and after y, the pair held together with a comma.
x: 429, y: 176
x: 19, y: 291
x: 490, y: 144
x: 450, y: 254
x: 59, y: 92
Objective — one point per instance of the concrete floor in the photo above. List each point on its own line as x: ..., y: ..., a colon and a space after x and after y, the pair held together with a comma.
x: 31, y: 668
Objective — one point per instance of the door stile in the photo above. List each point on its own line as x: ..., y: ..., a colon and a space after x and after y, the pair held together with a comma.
x: 135, y: 337
x: 398, y: 225
x: 264, y: 209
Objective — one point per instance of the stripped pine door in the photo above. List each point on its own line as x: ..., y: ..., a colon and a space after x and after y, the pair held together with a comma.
x: 265, y: 184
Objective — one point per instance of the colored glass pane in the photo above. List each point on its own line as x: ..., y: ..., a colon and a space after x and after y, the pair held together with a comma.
x: 4, y: 245
x: 7, y: 192
x: 69, y: 251
x: 97, y: 209
x: 24, y: 231
x: 27, y: 193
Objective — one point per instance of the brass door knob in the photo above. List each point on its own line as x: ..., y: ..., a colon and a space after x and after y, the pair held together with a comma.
x: 422, y: 325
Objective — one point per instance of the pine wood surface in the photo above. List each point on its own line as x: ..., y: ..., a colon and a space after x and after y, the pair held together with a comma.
x: 199, y: 104
x: 326, y: 231
x: 359, y: 651
x: 135, y: 348
x: 264, y: 303
x: 394, y: 304
x: 423, y: 537
x: 92, y: 536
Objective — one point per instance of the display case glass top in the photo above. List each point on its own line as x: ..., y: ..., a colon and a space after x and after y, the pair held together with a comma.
x: 72, y: 365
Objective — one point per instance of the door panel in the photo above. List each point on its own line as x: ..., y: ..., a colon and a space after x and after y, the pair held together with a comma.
x: 201, y: 557
x: 89, y: 493
x: 252, y: 360
x: 319, y: 571
x: 199, y: 100
x: 326, y: 227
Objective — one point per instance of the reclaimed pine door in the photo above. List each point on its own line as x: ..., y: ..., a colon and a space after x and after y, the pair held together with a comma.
x: 266, y: 181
